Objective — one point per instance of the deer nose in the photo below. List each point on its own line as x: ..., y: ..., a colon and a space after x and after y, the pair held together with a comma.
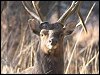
x: 53, y: 41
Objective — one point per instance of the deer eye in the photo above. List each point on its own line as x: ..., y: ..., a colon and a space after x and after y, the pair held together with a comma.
x: 44, y: 33
x: 41, y: 35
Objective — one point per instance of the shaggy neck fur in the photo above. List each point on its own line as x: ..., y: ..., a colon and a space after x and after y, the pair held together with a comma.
x: 48, y: 63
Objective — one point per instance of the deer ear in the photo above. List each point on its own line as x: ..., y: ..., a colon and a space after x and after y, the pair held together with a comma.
x: 69, y: 28
x: 34, y: 26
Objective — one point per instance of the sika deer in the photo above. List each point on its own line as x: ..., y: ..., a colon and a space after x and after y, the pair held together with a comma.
x: 49, y: 57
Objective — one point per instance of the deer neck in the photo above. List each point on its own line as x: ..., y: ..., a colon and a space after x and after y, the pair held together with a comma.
x: 51, y: 64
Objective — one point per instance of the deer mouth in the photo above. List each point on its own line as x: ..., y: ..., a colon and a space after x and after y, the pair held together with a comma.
x: 51, y: 47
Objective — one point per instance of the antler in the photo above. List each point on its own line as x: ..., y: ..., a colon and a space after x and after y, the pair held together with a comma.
x: 75, y: 7
x: 69, y: 11
x: 37, y: 15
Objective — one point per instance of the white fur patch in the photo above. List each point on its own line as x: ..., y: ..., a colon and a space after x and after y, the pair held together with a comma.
x: 50, y: 46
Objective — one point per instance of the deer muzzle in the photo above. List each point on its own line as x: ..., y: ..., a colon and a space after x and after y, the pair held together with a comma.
x: 52, y: 43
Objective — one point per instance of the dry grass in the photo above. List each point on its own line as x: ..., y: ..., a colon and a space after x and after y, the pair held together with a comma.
x: 84, y: 58
x: 18, y: 45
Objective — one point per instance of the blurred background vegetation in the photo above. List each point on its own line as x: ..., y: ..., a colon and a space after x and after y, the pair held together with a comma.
x: 18, y: 42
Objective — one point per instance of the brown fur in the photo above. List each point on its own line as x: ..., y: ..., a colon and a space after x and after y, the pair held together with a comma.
x: 49, y: 60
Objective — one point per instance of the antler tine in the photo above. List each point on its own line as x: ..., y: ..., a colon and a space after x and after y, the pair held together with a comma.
x: 32, y: 14
x: 37, y: 11
x: 69, y: 11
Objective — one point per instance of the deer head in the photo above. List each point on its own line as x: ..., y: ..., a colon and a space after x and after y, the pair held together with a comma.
x: 52, y: 34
